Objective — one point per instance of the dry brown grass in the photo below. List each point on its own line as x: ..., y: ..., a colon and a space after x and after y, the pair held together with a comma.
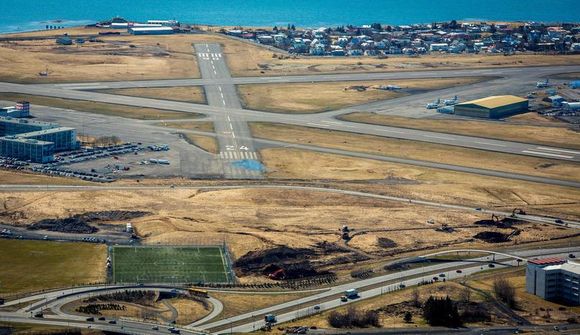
x: 421, y: 183
x: 417, y: 150
x: 320, y: 97
x: 117, y: 58
x: 238, y: 303
x: 256, y: 219
x: 558, y: 136
x: 23, y: 178
x: 206, y: 126
x: 206, y: 143
x: 100, y: 107
x: 194, y: 94
x: 188, y: 310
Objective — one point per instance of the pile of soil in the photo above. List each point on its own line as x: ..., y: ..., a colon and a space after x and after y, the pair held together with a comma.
x: 386, y: 243
x: 294, y: 262
x: 79, y: 223
x: 492, y: 237
x: 328, y: 248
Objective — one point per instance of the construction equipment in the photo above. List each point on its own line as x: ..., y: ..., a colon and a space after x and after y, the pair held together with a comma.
x: 517, y: 211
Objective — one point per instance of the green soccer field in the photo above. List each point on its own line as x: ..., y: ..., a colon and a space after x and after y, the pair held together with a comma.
x: 169, y: 264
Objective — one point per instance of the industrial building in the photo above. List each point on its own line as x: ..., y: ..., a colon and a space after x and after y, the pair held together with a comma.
x: 33, y: 140
x: 159, y: 30
x: 494, y: 107
x: 554, y: 279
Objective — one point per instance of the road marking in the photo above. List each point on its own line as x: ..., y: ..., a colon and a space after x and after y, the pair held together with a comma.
x: 487, y: 143
x: 318, y: 125
x: 545, y: 154
x: 559, y: 150
x: 233, y: 135
x: 440, y: 137
x: 220, y: 88
x: 235, y: 155
x: 231, y: 127
x: 229, y: 120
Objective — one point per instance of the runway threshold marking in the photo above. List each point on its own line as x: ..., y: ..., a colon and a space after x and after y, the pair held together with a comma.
x: 546, y: 154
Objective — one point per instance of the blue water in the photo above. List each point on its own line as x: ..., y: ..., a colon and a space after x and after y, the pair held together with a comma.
x: 19, y: 15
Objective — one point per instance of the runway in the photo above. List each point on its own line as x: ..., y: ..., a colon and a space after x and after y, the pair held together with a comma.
x: 233, y: 133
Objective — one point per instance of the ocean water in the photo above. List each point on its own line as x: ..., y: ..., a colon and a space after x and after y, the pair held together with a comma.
x: 23, y: 15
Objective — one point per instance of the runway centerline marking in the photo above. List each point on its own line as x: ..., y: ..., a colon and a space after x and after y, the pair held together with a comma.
x: 494, y: 144
x: 546, y: 154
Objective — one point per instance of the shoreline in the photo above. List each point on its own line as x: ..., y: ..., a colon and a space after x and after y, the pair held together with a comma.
x: 262, y: 26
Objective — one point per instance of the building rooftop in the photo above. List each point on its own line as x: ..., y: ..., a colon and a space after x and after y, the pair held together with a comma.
x: 547, y: 261
x: 567, y: 266
x: 494, y: 101
x: 155, y: 28
x: 25, y: 140
x: 9, y: 119
x: 44, y: 132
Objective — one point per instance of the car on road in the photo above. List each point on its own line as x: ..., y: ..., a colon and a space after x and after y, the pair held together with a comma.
x: 155, y: 328
x: 401, y: 285
x: 343, y: 298
x: 441, y: 275
x: 91, y: 319
x: 459, y: 271
x: 113, y: 322
x: 559, y: 221
x: 102, y: 318
x: 478, y: 209
x: 435, y: 278
x: 491, y: 265
x: 316, y: 308
x: 572, y: 256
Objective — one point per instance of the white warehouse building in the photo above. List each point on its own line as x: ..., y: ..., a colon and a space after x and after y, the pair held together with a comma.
x: 554, y: 279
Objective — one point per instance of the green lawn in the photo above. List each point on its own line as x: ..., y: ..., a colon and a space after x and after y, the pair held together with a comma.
x: 36, y: 265
x: 169, y: 264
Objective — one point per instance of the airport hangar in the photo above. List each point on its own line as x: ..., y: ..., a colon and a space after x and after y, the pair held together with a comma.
x: 494, y: 107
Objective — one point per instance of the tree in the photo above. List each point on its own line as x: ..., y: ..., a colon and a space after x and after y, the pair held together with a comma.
x: 441, y: 312
x: 408, y: 317
x: 465, y: 294
x: 505, y: 292
x: 416, y: 298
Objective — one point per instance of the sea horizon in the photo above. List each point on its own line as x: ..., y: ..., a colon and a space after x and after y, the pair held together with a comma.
x: 301, y: 13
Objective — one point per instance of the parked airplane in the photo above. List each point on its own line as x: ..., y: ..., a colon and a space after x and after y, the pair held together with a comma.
x: 543, y: 84
x: 451, y: 102
x: 433, y: 105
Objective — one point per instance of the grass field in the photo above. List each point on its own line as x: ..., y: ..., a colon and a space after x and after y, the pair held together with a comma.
x: 169, y: 264
x: 36, y: 265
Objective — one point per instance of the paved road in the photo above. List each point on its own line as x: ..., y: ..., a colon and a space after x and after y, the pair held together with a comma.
x: 369, y: 288
x: 52, y: 188
x: 232, y: 131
